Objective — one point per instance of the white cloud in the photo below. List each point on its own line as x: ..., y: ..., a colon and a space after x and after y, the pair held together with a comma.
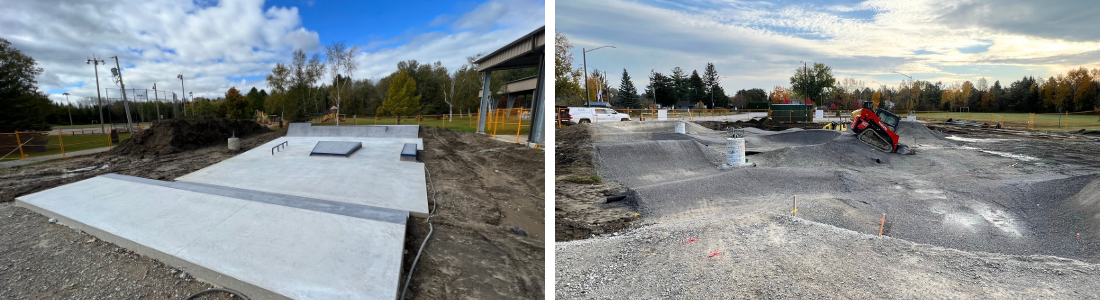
x: 760, y: 44
x: 159, y: 38
x: 486, y: 28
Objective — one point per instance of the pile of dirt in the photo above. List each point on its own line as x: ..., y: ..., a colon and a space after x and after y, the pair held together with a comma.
x: 187, y: 133
x: 573, y: 151
x: 581, y: 209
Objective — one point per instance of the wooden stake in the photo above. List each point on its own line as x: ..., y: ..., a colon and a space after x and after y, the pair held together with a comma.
x: 883, y: 225
x: 794, y: 207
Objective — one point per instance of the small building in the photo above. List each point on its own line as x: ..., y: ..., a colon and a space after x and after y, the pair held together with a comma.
x: 526, y: 52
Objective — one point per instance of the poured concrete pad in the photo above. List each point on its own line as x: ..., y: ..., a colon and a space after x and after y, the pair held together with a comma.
x: 266, y: 250
x: 374, y: 175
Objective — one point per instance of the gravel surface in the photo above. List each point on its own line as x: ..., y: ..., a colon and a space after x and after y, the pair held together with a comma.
x: 768, y: 256
x: 1012, y: 196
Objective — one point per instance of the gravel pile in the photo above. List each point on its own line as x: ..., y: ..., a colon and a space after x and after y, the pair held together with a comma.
x: 770, y: 256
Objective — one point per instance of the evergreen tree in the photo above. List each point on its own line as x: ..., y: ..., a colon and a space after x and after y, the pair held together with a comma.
x: 714, y: 90
x: 22, y: 107
x: 697, y: 90
x: 628, y: 93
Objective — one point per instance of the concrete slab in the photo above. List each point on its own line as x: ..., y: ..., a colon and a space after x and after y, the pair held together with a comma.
x: 379, y: 131
x: 373, y: 176
x: 267, y: 251
x: 335, y: 148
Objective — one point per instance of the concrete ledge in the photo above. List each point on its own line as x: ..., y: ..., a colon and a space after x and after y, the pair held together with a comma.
x: 408, y: 153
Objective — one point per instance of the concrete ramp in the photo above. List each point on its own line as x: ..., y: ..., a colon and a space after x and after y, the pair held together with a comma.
x: 380, y: 131
x: 266, y: 249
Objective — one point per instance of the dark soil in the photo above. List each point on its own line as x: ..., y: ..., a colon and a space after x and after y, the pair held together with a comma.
x: 488, y: 222
x: 188, y: 133
x: 580, y: 208
x: 762, y: 123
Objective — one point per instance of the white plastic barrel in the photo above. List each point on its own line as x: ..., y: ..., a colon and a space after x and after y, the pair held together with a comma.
x: 735, y: 152
x: 681, y: 127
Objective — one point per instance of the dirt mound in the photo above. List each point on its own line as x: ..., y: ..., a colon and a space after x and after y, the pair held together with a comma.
x: 187, y: 133
x: 915, y: 132
x: 573, y: 151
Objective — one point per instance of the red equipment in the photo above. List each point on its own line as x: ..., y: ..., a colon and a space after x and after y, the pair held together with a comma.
x: 877, y: 127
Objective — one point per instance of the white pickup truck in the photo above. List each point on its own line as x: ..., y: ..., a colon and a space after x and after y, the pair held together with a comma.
x: 595, y: 114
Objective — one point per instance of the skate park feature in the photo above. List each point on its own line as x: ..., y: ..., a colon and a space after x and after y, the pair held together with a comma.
x: 335, y: 148
x: 287, y: 225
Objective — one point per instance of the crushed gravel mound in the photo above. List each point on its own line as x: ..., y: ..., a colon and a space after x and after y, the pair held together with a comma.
x: 647, y: 162
x: 189, y: 133
x: 768, y: 256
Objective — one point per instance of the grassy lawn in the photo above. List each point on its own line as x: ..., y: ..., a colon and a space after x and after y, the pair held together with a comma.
x: 1019, y: 120
x: 96, y: 126
x: 73, y: 143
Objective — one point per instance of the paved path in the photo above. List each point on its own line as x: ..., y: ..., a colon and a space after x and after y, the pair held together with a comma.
x: 31, y: 160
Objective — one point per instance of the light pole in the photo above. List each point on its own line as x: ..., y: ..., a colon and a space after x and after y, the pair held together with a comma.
x: 911, y: 96
x: 69, y: 108
x: 584, y: 58
x: 157, y: 98
x: 125, y: 104
x: 806, y: 73
x: 184, y: 91
x: 712, y: 91
x: 99, y: 101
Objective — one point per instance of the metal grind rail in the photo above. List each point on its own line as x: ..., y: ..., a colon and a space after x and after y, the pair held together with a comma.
x: 284, y: 144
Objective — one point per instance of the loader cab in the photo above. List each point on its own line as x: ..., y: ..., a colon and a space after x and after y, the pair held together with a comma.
x: 889, y: 118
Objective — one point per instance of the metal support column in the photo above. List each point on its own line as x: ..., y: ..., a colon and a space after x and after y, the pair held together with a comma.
x: 486, y: 96
x: 538, y: 111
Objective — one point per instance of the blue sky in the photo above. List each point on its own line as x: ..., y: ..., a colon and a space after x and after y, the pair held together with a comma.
x: 760, y: 43
x: 219, y: 44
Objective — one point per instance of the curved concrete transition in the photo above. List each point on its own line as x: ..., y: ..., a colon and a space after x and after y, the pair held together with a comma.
x: 271, y: 223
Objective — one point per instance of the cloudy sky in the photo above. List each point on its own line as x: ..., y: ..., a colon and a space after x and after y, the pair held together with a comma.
x: 219, y: 44
x: 760, y: 43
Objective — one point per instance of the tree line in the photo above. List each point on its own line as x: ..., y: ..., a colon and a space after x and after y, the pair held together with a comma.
x: 413, y: 89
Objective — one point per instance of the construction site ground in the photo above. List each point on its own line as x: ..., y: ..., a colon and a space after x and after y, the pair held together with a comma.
x: 487, y: 239
x: 975, y: 213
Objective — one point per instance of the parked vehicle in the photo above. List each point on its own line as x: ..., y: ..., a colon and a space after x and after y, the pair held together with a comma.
x: 595, y: 114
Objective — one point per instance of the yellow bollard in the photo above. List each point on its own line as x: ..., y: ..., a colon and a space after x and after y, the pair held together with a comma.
x: 519, y: 125
x: 19, y: 143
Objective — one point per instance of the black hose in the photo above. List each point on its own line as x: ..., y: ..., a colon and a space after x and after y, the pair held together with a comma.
x: 227, y: 291
x: 430, y: 229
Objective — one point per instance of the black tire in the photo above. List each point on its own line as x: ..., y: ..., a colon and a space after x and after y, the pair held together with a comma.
x: 585, y: 121
x: 624, y: 120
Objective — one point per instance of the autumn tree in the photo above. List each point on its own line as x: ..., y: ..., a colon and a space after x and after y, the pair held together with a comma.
x: 567, y: 87
x: 780, y: 95
x: 876, y: 98
x: 235, y: 105
x: 402, y: 100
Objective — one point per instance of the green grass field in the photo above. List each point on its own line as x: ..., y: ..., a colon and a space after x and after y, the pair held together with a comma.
x: 460, y: 123
x: 1019, y: 120
x: 72, y: 143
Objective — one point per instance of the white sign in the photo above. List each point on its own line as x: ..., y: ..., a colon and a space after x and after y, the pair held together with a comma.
x: 819, y: 114
x: 662, y: 115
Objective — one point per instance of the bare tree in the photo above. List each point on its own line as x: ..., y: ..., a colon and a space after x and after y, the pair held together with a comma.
x: 341, y: 61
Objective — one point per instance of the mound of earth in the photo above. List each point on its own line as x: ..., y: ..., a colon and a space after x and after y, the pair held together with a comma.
x: 189, y: 133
